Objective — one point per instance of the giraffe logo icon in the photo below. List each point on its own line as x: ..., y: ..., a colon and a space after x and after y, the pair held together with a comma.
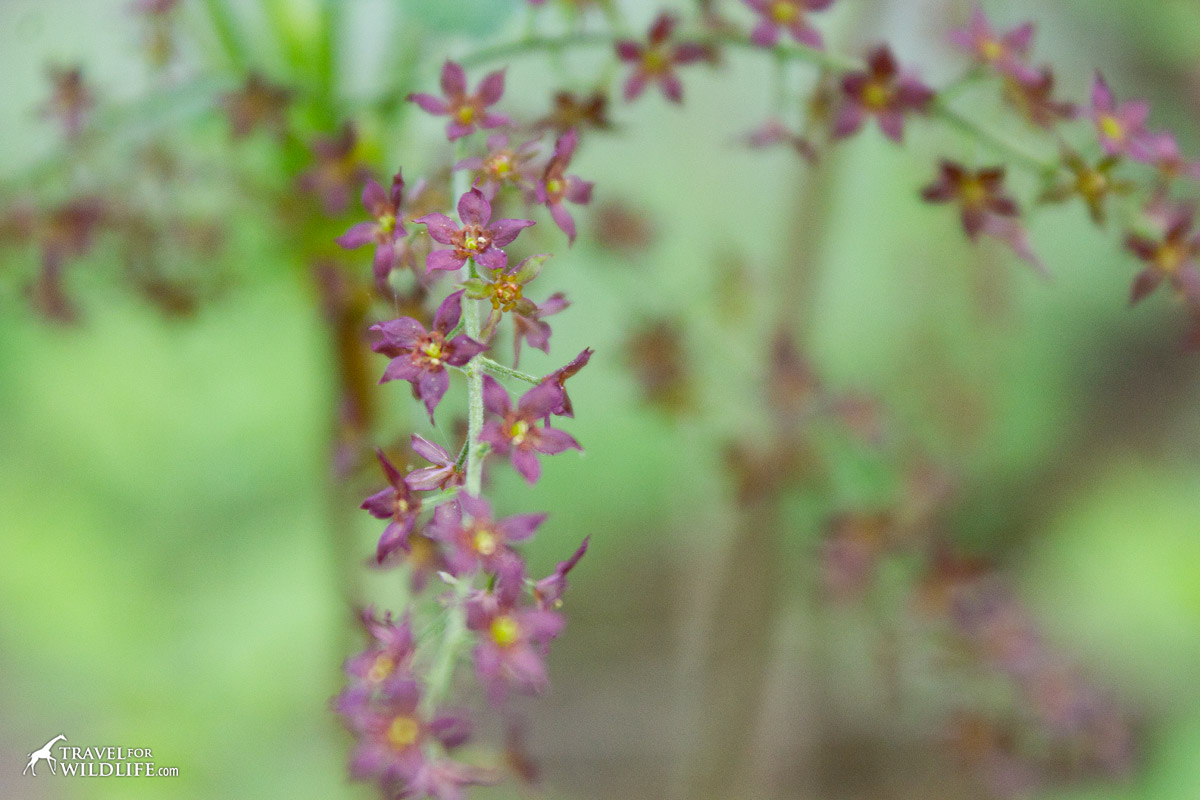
x: 43, y: 754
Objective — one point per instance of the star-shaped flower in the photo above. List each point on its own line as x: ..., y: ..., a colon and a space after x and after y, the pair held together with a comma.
x: 421, y: 356
x: 466, y: 111
x: 478, y: 238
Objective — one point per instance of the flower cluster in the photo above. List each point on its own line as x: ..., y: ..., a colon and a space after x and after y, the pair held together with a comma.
x: 438, y: 519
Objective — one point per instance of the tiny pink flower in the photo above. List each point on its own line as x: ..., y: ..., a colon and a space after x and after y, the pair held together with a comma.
x: 502, y: 165
x: 1004, y: 52
x: 790, y: 15
x: 1118, y: 126
x: 478, y: 238
x: 421, y: 356
x: 515, y: 432
x: 556, y: 187
x: 655, y: 61
x: 385, y: 231
x: 396, y: 503
x: 476, y: 538
x: 882, y: 91
x: 466, y: 111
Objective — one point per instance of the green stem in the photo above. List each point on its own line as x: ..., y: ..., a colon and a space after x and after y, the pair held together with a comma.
x: 454, y: 636
x: 498, y: 369
x: 226, y: 30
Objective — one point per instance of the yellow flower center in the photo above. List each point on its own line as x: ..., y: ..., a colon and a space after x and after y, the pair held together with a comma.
x: 1169, y: 258
x: 466, y: 114
x: 991, y: 50
x: 1092, y: 183
x: 382, y: 668
x: 519, y: 431
x: 1111, y: 127
x: 656, y: 61
x: 505, y: 630
x: 387, y: 223
x: 784, y: 12
x: 554, y: 186
x: 502, y: 165
x: 434, y: 351
x: 485, y: 542
x: 403, y: 732
x: 973, y: 192
x: 876, y: 96
x: 505, y: 295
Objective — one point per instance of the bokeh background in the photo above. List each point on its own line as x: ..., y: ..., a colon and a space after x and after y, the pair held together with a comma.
x: 176, y: 571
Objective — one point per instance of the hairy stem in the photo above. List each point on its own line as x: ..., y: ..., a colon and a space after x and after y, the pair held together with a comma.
x: 454, y: 636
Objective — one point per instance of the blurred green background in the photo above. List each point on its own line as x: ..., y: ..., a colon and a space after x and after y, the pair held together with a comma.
x: 168, y: 577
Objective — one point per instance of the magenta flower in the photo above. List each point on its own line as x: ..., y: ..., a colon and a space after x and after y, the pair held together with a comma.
x: 478, y: 238
x: 336, y: 171
x: 1161, y: 151
x: 420, y: 356
x: 396, y: 503
x: 1004, y: 52
x: 393, y: 734
x: 516, y: 432
x: 1173, y: 258
x: 882, y: 91
x: 979, y: 194
x: 656, y: 60
x: 1118, y: 126
x: 512, y: 639
x: 444, y: 473
x: 548, y: 591
x: 388, y: 655
x: 71, y: 100
x: 562, y: 374
x: 466, y: 111
x: 478, y: 539
x: 789, y: 15
x: 1034, y: 99
x: 385, y: 231
x: 528, y: 325
x: 556, y: 187
x: 773, y: 133
x: 502, y: 165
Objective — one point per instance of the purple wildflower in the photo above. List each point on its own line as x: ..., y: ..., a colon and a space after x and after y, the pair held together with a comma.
x: 882, y: 91
x: 479, y: 238
x: 478, y: 539
x: 657, y: 58
x: 548, y: 591
x: 466, y: 111
x: 396, y: 503
x: 420, y: 356
x: 516, y: 432
x: 773, y: 133
x: 71, y: 99
x: 387, y: 658
x: 385, y: 231
x: 392, y: 736
x: 513, y: 639
x: 562, y: 374
x: 1161, y: 151
x: 556, y: 187
x: 528, y: 325
x: 444, y: 473
x: 1034, y: 99
x: 1118, y: 126
x: 257, y: 103
x: 337, y: 170
x: 501, y: 165
x: 980, y: 194
x: 1172, y: 258
x: 790, y: 15
x: 1004, y: 52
